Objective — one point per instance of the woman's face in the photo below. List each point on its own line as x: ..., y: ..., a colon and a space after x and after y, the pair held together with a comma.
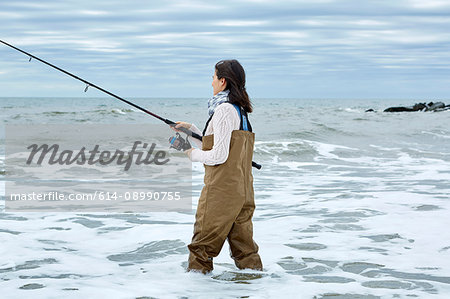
x: 218, y: 84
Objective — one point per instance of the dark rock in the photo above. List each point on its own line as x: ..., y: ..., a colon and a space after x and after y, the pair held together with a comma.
x: 431, y: 106
x: 416, y: 107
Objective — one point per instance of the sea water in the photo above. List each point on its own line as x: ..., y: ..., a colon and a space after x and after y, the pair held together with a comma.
x: 349, y: 204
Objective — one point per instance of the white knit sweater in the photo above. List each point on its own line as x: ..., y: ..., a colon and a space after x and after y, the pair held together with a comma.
x: 224, y: 121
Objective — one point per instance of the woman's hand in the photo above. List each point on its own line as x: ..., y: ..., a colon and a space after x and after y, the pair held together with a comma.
x: 188, y: 152
x: 181, y: 124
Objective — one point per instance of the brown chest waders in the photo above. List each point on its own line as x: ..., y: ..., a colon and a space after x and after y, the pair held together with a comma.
x: 226, y: 205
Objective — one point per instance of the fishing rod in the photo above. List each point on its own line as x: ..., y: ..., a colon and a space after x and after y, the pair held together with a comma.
x: 89, y: 84
x: 176, y: 142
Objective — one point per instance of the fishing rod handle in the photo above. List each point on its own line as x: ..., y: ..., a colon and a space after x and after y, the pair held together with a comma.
x: 256, y: 165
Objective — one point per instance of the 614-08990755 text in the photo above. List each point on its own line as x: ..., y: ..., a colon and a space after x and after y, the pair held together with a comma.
x: 97, y: 195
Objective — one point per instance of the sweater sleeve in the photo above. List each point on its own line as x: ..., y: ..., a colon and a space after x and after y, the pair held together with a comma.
x: 224, y: 121
x: 196, y: 130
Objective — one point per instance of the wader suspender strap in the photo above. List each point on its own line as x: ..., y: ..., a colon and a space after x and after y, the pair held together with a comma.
x: 207, y: 123
x: 246, y: 126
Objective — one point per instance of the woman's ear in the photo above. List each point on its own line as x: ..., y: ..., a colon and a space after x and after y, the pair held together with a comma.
x: 223, y: 82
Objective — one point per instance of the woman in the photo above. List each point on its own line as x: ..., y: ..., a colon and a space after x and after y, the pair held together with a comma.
x: 226, y: 204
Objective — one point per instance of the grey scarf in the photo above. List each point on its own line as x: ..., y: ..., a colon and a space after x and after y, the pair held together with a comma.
x: 216, y: 100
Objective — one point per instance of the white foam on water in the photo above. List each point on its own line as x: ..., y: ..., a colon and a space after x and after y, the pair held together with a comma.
x: 326, y: 150
x: 367, y: 220
x: 294, y: 165
x: 352, y: 110
x: 442, y: 135
x: 118, y: 111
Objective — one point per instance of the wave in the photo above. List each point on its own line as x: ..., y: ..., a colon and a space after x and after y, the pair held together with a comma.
x: 439, y: 135
x: 97, y: 111
x: 113, y: 111
x: 298, y: 150
x: 51, y: 114
x: 56, y: 113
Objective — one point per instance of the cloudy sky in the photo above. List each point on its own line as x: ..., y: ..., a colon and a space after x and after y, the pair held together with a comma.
x: 290, y: 49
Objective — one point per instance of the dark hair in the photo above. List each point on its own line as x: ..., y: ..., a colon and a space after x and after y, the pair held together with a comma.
x: 234, y: 74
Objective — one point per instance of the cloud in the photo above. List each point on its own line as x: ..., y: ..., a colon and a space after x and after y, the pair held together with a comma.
x: 93, y: 12
x: 7, y: 15
x: 429, y: 4
x: 149, y: 45
x: 240, y: 23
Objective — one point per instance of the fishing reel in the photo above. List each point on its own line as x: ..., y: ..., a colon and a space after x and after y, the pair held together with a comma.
x: 179, y: 143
